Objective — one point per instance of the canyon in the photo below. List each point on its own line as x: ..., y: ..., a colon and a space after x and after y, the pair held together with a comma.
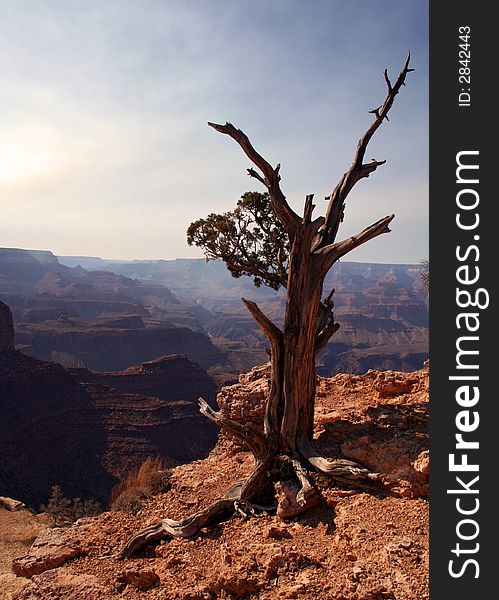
x: 101, y: 369
x: 109, y: 315
x: 86, y: 431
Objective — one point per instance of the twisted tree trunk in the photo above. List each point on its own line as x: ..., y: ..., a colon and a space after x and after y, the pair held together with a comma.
x: 286, y: 444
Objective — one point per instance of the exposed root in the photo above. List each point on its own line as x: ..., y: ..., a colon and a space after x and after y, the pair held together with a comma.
x: 339, y: 469
x: 249, y: 509
x: 259, y: 486
x: 294, y: 495
x: 290, y: 500
x: 305, y: 490
x: 186, y: 527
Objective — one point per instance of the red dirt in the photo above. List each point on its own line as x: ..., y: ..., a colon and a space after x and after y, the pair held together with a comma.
x: 352, y: 546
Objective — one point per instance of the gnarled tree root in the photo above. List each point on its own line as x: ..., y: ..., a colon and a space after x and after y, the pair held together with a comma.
x: 285, y: 474
x: 342, y: 470
x: 294, y: 495
x: 186, y: 527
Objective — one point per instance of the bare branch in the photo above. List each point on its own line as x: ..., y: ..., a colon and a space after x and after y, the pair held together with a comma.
x: 335, y: 251
x: 313, y: 226
x: 249, y: 436
x: 270, y: 178
x: 388, y: 82
x: 271, y: 330
x: 383, y: 111
x: 328, y: 302
x: 358, y: 169
x: 256, y: 175
x: 309, y: 209
x: 325, y: 335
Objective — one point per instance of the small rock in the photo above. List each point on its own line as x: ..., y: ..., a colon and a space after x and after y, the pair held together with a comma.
x: 53, y: 584
x: 422, y: 463
x: 277, y: 533
x: 142, y: 580
x: 50, y: 550
x: 294, y: 591
x: 10, y: 504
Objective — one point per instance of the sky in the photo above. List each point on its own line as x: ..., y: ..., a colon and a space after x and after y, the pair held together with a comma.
x: 104, y: 147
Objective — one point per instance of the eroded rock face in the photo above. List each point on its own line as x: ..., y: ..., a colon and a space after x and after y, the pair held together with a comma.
x: 87, y: 431
x: 6, y: 328
x: 74, y: 343
x: 170, y: 378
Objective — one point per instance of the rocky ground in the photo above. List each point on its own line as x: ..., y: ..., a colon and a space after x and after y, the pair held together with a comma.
x: 355, y: 545
x: 18, y: 530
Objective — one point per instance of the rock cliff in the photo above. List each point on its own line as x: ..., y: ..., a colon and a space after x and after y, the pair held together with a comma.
x: 85, y: 431
x: 6, y: 328
x: 383, y: 315
x: 169, y: 378
x: 112, y: 346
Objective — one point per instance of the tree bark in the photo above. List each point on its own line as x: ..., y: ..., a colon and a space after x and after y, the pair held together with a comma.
x: 300, y: 330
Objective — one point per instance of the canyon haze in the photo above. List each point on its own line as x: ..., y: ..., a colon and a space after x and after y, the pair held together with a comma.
x: 89, y: 312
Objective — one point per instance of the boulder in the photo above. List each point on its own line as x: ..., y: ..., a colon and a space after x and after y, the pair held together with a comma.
x: 50, y: 550
x: 11, y: 504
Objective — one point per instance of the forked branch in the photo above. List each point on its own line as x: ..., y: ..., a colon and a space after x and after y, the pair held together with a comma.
x: 269, y: 176
x: 335, y: 251
x: 358, y: 169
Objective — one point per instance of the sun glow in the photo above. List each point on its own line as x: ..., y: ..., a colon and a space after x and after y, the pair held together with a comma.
x: 26, y: 157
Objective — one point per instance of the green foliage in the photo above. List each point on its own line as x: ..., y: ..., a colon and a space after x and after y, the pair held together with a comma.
x: 66, y: 511
x: 250, y: 240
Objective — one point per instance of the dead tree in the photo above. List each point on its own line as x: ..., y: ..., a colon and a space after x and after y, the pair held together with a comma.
x: 286, y: 443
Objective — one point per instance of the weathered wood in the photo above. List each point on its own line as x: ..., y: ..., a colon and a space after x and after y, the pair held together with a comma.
x: 274, y: 405
x: 249, y: 436
x: 300, y: 331
x: 270, y: 179
x: 272, y: 332
x: 187, y: 527
x: 358, y: 169
x: 334, y: 252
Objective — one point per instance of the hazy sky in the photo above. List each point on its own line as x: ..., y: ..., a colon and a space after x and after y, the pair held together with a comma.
x: 104, y: 148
